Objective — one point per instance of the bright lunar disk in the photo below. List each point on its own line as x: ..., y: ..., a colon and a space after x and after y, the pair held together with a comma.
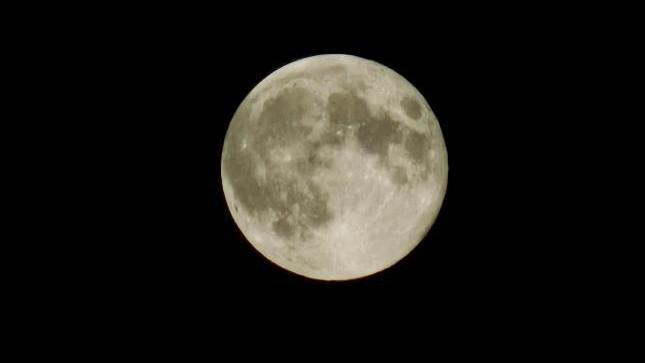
x: 334, y: 167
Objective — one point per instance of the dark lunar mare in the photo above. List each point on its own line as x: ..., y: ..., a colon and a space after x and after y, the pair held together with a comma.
x: 280, y: 125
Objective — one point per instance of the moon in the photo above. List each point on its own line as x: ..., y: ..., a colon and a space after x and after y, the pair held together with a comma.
x: 334, y: 167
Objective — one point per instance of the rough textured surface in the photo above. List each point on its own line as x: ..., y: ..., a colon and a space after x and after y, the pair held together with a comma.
x: 334, y: 167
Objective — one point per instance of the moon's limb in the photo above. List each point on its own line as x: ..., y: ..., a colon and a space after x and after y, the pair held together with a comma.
x: 334, y: 167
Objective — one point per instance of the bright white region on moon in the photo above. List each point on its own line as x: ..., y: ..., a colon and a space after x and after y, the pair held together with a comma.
x: 334, y: 167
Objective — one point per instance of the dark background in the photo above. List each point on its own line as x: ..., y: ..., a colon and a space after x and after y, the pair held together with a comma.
x: 182, y: 88
x: 484, y: 242
x: 160, y: 89
x: 128, y: 241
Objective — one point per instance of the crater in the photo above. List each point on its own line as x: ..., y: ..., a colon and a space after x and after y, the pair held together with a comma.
x: 240, y: 169
x: 283, y: 227
x: 312, y: 212
x: 416, y: 144
x: 281, y: 119
x: 411, y: 107
x: 399, y: 176
x: 374, y: 134
x: 346, y: 109
x: 280, y: 193
x: 315, y: 211
x: 298, y: 222
x: 312, y: 159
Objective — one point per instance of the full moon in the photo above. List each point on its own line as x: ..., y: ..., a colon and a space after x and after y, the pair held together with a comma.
x: 334, y: 167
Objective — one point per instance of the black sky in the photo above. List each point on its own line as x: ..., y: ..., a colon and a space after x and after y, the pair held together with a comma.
x: 162, y: 90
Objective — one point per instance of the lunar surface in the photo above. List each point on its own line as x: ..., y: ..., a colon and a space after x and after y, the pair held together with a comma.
x: 334, y: 167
